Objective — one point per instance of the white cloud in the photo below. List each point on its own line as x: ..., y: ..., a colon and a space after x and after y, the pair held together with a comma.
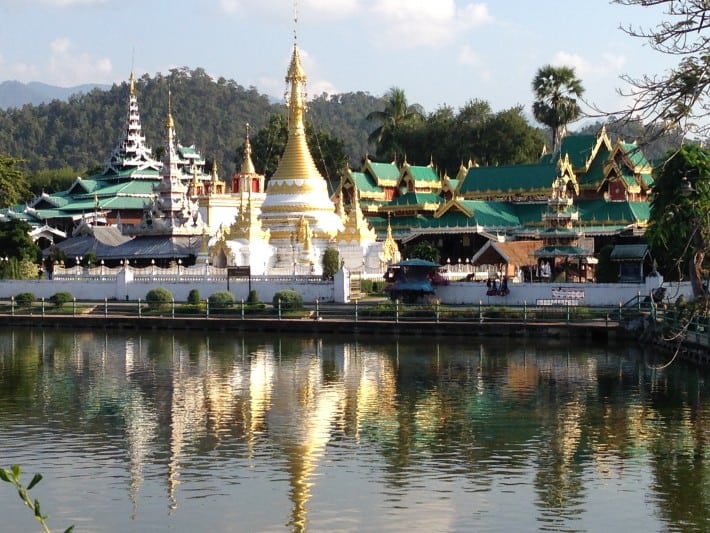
x: 68, y: 67
x: 412, y: 23
x: 606, y: 65
x: 467, y: 56
x: 230, y: 6
x: 330, y: 9
x: 72, y: 3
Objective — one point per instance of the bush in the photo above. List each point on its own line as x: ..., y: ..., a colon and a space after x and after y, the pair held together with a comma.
x: 193, y: 297
x: 331, y: 263
x: 158, y: 297
x: 58, y: 299
x: 25, y: 298
x: 221, y: 300
x: 253, y: 297
x: 290, y: 300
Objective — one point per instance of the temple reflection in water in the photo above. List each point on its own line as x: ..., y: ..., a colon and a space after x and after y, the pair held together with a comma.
x: 180, y: 403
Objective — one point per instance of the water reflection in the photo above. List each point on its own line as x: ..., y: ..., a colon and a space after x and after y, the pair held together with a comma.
x: 302, y: 433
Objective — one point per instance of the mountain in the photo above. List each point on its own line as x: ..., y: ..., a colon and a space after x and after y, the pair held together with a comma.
x: 17, y: 94
x: 78, y: 133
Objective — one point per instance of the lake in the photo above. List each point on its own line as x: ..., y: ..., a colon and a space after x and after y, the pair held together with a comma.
x: 140, y: 431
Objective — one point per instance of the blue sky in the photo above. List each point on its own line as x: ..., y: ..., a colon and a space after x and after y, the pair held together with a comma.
x: 438, y: 51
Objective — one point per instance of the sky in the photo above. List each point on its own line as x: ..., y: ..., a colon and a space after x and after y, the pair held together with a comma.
x: 440, y: 52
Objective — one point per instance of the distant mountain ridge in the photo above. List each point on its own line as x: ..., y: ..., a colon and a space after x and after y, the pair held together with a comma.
x: 17, y: 94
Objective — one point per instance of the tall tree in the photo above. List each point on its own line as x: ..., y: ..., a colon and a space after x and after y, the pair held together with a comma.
x: 679, y: 226
x: 556, y: 91
x: 13, y: 182
x: 679, y: 97
x: 396, y: 115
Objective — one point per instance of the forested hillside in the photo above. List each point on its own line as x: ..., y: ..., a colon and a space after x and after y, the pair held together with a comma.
x: 211, y: 114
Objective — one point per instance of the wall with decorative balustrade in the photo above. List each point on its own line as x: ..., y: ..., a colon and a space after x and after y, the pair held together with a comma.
x: 130, y: 283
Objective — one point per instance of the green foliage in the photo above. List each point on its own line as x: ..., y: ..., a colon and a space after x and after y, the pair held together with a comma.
x: 12, y: 475
x: 58, y: 299
x: 290, y: 300
x: 13, y: 182
x: 50, y: 180
x: 556, y: 91
x: 423, y: 250
x: 193, y: 297
x: 253, y: 297
x: 331, y: 263
x: 20, y: 255
x: 25, y: 298
x: 474, y: 133
x: 396, y: 117
x: 158, y: 297
x: 679, y: 225
x: 221, y: 300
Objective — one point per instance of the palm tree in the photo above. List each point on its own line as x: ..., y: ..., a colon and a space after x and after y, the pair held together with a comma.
x: 556, y: 90
x: 396, y: 115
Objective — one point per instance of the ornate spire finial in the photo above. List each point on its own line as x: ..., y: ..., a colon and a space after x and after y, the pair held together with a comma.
x: 170, y: 123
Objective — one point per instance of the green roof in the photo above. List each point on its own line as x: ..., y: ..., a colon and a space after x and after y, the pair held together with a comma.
x: 635, y: 154
x: 579, y: 148
x: 511, y: 179
x: 595, y: 174
x: 601, y: 211
x: 365, y: 183
x: 427, y: 174
x: 384, y: 171
x: 628, y: 252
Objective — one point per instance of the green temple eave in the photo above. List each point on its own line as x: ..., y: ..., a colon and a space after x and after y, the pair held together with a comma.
x: 601, y: 212
x: 508, y: 180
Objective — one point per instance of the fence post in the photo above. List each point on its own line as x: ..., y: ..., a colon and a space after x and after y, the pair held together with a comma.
x: 567, y: 312
x: 279, y: 308
x: 74, y: 307
x: 638, y: 301
x: 480, y: 311
x: 242, y: 307
x: 207, y: 308
x: 172, y: 309
x: 396, y: 311
x: 356, y: 310
x: 619, y: 311
x: 43, y: 306
x: 317, y: 309
x: 12, y: 305
x: 140, y: 313
x: 437, y: 311
x: 105, y: 307
x: 525, y: 311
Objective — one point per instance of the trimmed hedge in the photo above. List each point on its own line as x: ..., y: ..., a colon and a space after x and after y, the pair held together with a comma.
x: 221, y: 300
x: 158, y: 297
x: 58, y: 299
x: 290, y: 300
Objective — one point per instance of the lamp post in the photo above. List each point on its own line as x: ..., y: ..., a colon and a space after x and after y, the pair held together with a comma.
x: 179, y: 261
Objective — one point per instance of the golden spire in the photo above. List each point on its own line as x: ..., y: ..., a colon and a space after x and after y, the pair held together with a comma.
x: 390, y: 250
x: 297, y: 161
x: 247, y: 163
x: 131, y: 84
